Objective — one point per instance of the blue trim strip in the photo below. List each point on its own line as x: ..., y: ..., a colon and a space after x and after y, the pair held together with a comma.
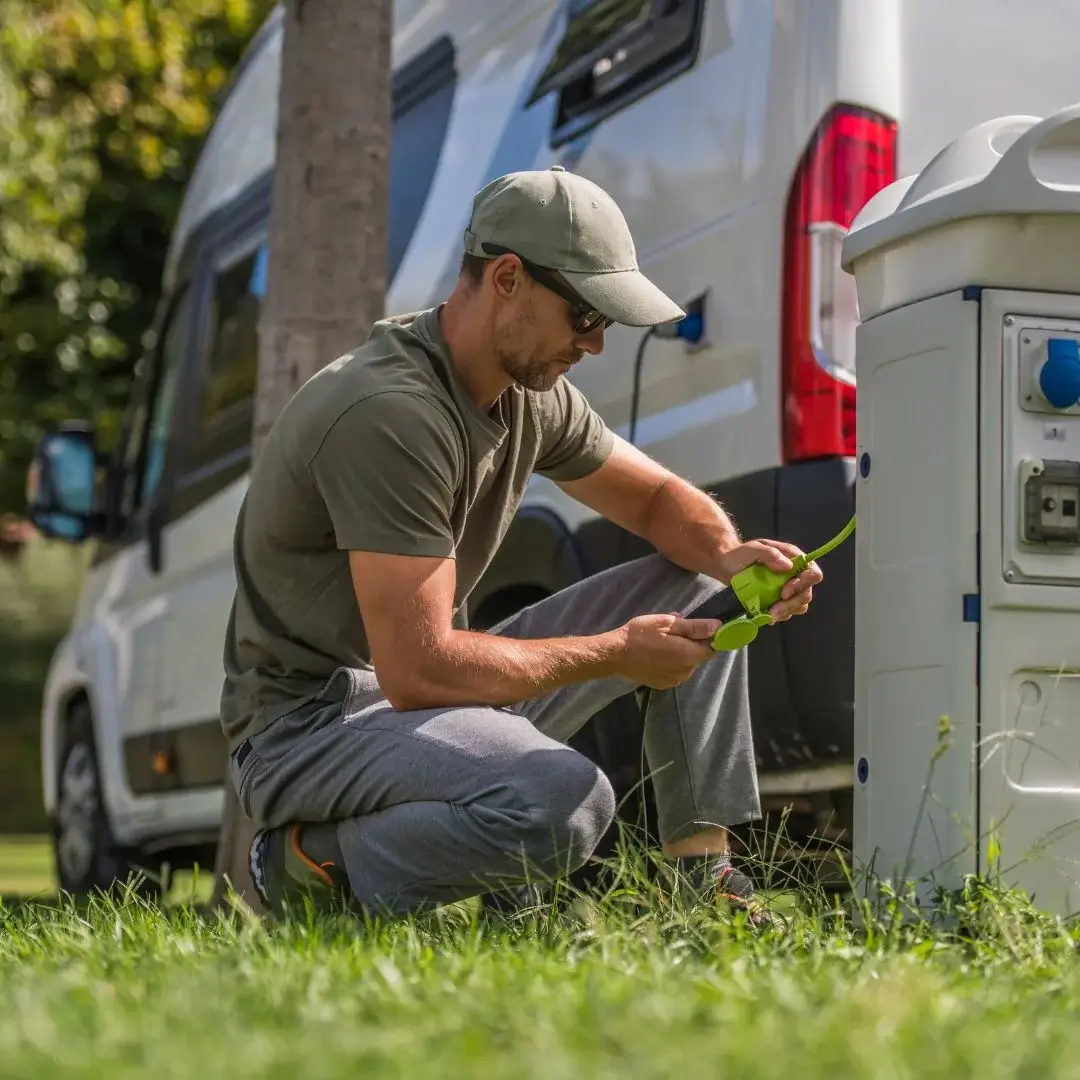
x: 972, y: 612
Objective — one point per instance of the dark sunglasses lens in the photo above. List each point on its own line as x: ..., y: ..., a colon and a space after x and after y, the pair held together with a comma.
x: 591, y: 320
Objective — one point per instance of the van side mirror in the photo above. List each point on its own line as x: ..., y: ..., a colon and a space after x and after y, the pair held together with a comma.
x: 62, y: 485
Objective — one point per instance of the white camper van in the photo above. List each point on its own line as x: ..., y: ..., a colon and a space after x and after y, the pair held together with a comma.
x: 740, y: 137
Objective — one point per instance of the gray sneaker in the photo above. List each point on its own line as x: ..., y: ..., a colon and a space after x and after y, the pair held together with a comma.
x: 286, y: 876
x: 708, y: 880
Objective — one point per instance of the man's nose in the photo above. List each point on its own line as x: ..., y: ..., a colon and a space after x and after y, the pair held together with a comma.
x: 592, y: 342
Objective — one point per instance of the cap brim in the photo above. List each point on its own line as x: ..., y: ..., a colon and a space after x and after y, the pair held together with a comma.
x: 627, y: 296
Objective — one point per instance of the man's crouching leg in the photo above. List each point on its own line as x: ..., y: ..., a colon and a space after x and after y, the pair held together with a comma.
x: 393, y: 814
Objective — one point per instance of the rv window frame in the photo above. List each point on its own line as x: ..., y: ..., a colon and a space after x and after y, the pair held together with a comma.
x: 182, y: 296
x: 129, y: 459
x: 233, y: 231
x: 223, y: 259
x: 664, y: 63
x: 131, y: 517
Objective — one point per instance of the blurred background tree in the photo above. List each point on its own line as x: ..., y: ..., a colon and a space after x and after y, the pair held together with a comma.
x: 104, y: 105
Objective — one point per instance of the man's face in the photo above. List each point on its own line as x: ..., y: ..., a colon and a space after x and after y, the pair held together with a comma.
x: 536, y: 338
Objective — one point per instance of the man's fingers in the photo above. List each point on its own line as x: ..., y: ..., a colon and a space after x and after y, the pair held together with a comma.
x: 784, y: 610
x: 773, y: 555
x: 803, y: 582
x: 695, y: 629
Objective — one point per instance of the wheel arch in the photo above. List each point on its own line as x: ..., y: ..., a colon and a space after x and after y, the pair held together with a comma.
x: 538, y: 557
x: 54, y: 727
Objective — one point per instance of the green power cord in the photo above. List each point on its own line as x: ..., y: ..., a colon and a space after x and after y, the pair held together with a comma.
x: 758, y: 588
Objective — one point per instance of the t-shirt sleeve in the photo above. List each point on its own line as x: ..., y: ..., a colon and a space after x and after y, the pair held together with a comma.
x: 574, y: 439
x: 388, y: 471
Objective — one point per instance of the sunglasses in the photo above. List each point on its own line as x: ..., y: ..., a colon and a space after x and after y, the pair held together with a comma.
x: 585, y: 317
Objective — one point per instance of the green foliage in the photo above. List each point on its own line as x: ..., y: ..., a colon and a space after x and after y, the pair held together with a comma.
x: 104, y: 105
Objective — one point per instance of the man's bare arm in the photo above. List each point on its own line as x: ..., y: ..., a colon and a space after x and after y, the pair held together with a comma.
x: 424, y: 662
x: 678, y: 519
x: 685, y: 524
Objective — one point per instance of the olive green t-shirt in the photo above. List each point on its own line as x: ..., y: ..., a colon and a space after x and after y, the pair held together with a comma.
x: 382, y: 450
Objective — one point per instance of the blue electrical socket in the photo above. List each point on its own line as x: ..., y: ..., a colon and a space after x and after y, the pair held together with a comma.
x: 691, y: 329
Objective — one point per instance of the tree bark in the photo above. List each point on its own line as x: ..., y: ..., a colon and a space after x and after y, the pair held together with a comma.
x: 326, y: 275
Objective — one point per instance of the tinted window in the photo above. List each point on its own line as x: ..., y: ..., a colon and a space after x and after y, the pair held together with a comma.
x: 423, y: 93
x: 167, y: 378
x: 224, y: 406
x: 612, y: 52
x: 233, y: 363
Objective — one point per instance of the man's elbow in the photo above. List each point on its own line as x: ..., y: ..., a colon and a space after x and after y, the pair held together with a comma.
x: 408, y: 688
x: 406, y: 698
x: 415, y: 669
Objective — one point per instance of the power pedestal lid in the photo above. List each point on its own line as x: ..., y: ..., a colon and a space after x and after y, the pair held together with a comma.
x: 999, y: 207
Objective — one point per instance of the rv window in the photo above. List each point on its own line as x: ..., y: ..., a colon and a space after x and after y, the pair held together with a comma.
x: 218, y: 447
x: 423, y: 92
x: 233, y: 365
x: 166, y: 379
x: 613, y: 52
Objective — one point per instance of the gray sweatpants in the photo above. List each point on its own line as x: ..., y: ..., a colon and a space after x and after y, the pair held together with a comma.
x: 436, y: 805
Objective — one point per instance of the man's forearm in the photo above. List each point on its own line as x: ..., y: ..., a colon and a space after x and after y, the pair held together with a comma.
x: 689, y: 527
x: 470, y: 668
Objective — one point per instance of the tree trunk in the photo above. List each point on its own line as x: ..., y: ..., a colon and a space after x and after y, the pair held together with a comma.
x: 326, y: 277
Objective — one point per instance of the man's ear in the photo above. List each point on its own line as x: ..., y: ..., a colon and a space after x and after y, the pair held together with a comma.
x: 507, y: 275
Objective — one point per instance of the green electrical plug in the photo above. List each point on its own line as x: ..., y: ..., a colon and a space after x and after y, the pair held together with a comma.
x: 757, y: 588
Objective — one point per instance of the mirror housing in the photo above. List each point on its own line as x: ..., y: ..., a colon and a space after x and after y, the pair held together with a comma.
x: 62, y: 485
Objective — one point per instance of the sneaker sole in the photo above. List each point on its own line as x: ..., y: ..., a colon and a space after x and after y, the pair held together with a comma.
x: 255, y: 867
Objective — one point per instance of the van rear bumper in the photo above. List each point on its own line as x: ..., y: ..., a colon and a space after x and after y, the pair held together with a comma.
x: 802, y: 672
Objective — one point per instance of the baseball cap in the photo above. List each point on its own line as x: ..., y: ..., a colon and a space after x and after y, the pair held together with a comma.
x: 561, y: 221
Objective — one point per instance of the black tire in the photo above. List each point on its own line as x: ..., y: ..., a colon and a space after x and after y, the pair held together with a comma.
x: 87, y: 857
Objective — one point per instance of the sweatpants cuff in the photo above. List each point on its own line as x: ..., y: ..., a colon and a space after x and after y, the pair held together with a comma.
x: 725, y: 819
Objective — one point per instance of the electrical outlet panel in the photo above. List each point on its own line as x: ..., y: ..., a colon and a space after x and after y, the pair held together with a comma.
x: 1051, y: 498
x: 1040, y: 449
x: 1049, y: 367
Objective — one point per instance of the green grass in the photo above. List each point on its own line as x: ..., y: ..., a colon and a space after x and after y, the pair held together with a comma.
x: 27, y: 874
x: 626, y: 986
x: 26, y: 868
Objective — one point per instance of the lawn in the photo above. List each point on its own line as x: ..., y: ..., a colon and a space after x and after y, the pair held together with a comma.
x: 609, y: 989
x: 25, y: 867
x: 624, y: 986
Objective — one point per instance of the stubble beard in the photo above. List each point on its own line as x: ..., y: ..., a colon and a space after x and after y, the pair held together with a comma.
x: 534, y: 374
x: 530, y: 372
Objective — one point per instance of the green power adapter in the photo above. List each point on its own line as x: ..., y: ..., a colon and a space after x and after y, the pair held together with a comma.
x: 757, y: 588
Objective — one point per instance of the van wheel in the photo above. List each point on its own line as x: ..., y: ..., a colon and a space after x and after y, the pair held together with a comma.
x: 87, y: 856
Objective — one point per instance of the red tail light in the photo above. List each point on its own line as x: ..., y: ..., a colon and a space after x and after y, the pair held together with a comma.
x: 851, y: 156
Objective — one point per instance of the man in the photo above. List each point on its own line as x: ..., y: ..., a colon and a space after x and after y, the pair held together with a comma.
x: 395, y: 760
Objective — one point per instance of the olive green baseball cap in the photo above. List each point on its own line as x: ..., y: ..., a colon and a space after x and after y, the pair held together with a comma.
x: 564, y: 222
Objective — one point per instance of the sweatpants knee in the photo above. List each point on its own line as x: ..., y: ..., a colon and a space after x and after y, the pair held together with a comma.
x: 570, y: 806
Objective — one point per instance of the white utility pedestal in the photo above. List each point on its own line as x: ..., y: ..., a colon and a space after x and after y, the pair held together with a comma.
x: 967, y: 686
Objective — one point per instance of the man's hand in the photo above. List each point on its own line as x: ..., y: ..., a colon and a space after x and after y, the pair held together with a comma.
x: 662, y: 651
x: 776, y: 555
